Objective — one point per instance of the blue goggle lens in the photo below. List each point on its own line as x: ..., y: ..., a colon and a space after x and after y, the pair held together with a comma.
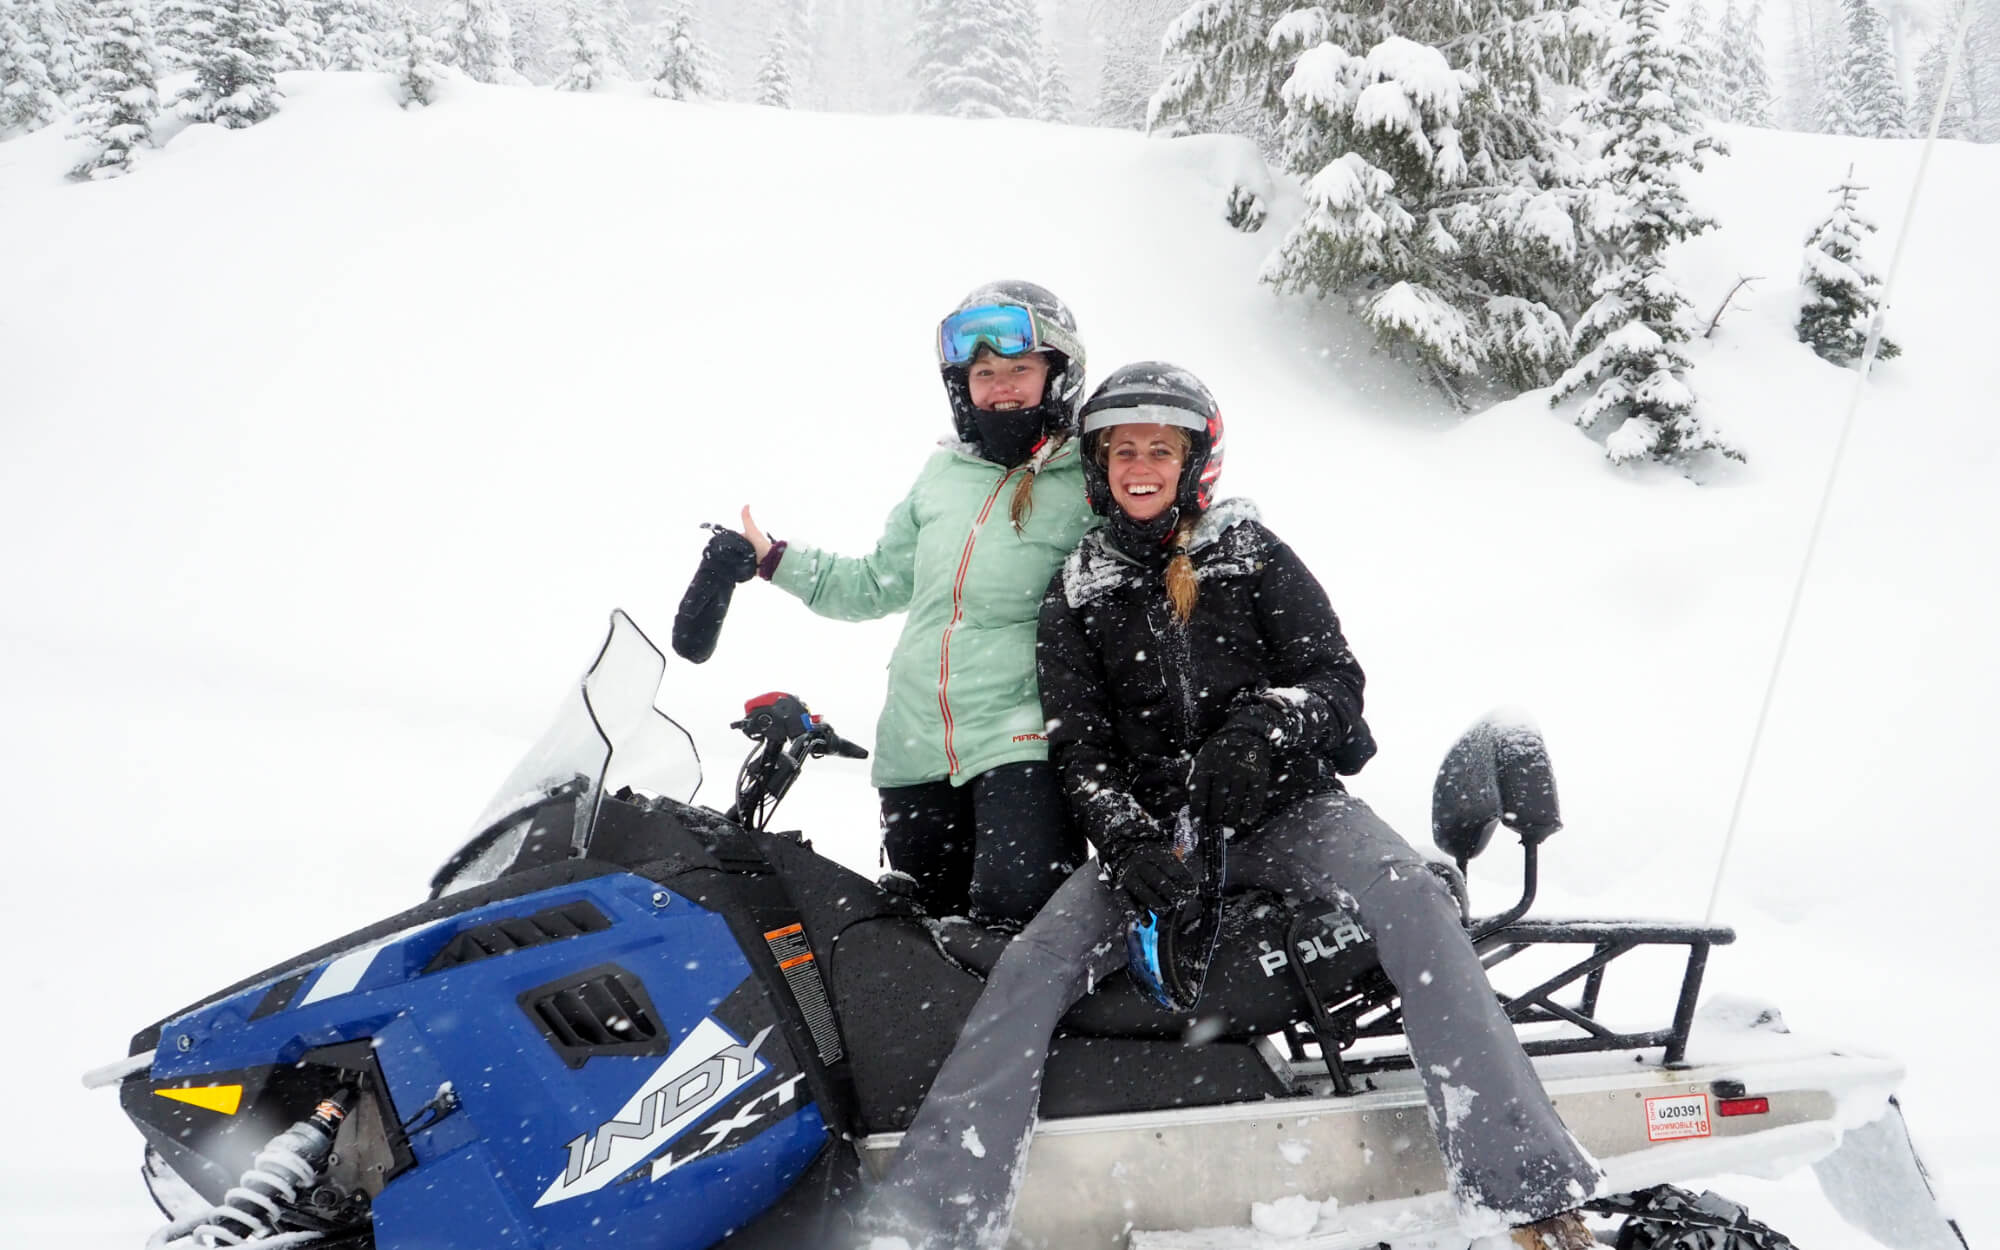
x: 1007, y: 329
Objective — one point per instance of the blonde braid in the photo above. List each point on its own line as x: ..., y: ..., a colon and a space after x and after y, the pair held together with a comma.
x: 1022, y: 506
x: 1182, y: 588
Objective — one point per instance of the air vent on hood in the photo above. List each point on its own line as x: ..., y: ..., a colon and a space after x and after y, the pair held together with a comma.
x: 515, y: 933
x: 599, y: 1011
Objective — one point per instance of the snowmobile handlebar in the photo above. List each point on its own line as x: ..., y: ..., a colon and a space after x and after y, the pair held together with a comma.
x: 786, y: 734
x: 781, y: 717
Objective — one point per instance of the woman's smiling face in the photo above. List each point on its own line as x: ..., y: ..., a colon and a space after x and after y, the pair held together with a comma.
x: 1005, y: 383
x: 1144, y: 465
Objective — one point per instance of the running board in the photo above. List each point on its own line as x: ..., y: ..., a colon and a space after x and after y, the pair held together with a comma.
x: 1097, y: 1182
x: 1432, y: 1215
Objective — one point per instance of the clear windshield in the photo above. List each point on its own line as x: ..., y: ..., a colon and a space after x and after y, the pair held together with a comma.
x: 607, y: 735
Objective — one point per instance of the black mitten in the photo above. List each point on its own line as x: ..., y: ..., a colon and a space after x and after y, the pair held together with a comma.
x: 1231, y: 778
x: 727, y: 561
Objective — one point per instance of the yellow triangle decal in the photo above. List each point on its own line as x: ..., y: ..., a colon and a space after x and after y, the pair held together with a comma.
x: 223, y: 1098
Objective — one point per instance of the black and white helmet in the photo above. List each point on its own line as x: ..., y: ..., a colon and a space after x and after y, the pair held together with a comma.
x: 1153, y: 392
x: 1056, y: 337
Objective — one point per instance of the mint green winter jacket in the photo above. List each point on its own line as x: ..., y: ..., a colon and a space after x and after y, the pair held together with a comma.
x: 962, y: 694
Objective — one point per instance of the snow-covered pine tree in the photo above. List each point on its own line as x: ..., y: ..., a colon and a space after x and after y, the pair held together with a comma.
x: 774, y: 73
x: 1630, y: 340
x: 357, y: 34
x: 535, y: 35
x: 1708, y: 70
x: 1979, y: 72
x: 1834, y: 113
x: 1803, y: 90
x: 1873, y: 99
x: 1052, y: 99
x: 682, y: 66
x: 236, y: 82
x: 178, y: 27
x: 1126, y: 37
x: 976, y: 58
x: 801, y: 30
x: 302, y: 21
x: 1843, y: 292
x: 1441, y: 192
x: 475, y: 37
x: 860, y: 54
x: 121, y: 97
x: 619, y: 36
x: 1973, y: 111
x: 1745, y: 94
x: 38, y: 65
x: 418, y: 69
x: 593, y: 58
x: 1131, y: 73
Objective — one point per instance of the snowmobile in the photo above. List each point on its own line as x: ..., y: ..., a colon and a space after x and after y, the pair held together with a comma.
x: 622, y: 1018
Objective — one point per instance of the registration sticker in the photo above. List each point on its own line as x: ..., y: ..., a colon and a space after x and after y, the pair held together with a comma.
x: 1683, y: 1115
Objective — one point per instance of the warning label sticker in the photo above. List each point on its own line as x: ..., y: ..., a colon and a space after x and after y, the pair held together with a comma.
x: 795, y: 959
x: 1683, y: 1115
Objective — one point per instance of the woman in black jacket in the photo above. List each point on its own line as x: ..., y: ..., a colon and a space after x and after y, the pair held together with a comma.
x: 1197, y: 684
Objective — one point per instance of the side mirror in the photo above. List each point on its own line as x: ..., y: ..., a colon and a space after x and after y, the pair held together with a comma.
x: 1498, y: 772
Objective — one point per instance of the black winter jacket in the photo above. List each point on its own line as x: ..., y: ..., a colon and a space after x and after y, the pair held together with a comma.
x: 1130, y: 693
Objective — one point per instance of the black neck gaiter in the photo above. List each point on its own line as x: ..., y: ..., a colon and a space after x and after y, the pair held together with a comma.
x: 1008, y: 438
x: 1146, y: 542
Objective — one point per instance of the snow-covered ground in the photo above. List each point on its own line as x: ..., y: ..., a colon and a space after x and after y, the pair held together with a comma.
x: 326, y: 447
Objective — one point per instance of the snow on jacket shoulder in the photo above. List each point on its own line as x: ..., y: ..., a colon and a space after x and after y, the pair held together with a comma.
x: 1131, y: 693
x: 962, y: 692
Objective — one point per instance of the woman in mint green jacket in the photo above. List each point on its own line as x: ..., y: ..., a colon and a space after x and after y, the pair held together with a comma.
x: 971, y: 809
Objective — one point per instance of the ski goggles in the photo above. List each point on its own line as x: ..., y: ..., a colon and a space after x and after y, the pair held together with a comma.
x: 1005, y: 330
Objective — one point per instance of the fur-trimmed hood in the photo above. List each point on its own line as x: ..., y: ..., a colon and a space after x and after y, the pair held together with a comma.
x: 1227, y: 541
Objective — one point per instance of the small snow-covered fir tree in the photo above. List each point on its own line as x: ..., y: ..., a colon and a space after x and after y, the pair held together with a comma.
x: 121, y: 96
x: 357, y: 34
x: 1441, y: 180
x: 236, y: 82
x: 38, y: 64
x: 1871, y: 101
x: 1843, y: 292
x: 976, y: 58
x: 1052, y: 98
x: 774, y: 73
x: 1630, y: 340
x: 682, y: 67
x: 417, y: 65
x: 475, y: 37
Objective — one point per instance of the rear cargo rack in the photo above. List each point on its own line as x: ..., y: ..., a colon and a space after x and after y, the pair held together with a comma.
x: 1372, y: 1009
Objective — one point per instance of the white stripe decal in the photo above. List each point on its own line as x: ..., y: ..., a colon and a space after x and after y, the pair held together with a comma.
x: 343, y: 974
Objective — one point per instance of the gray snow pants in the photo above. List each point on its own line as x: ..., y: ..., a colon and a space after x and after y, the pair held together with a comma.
x: 953, y: 1182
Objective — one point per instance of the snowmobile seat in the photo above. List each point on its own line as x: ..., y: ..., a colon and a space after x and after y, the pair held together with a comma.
x: 1251, y: 991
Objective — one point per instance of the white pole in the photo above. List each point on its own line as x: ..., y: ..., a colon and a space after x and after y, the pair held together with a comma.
x: 1839, y: 454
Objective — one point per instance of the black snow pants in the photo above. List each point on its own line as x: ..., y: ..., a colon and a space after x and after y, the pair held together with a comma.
x: 993, y: 849
x: 954, y: 1179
